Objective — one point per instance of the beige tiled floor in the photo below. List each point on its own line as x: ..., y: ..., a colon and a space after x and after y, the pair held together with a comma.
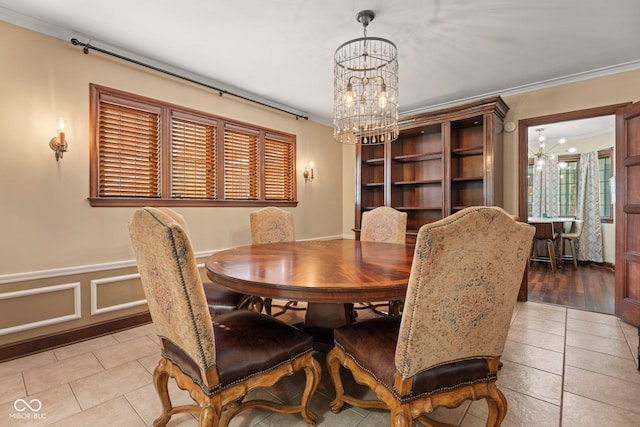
x: 562, y: 367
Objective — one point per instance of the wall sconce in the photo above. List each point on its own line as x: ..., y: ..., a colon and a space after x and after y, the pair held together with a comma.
x: 308, y: 174
x: 59, y: 143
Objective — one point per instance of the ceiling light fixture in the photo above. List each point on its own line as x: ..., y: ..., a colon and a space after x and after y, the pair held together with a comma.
x: 544, y: 152
x: 366, y: 89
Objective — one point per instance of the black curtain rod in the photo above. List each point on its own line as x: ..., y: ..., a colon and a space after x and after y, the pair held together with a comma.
x: 87, y: 46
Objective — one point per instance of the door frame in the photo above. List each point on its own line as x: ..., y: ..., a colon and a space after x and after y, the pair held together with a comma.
x: 627, y: 304
x: 523, y: 160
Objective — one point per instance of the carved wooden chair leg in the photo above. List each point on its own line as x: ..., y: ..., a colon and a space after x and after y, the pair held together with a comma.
x: 208, y: 416
x: 333, y: 366
x: 400, y: 417
x: 497, y: 405
x: 313, y: 374
x: 160, y: 381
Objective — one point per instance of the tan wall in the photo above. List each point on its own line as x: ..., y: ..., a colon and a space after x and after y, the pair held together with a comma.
x: 51, y: 235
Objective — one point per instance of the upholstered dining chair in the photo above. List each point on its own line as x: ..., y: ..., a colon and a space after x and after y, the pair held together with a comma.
x: 220, y: 299
x: 574, y: 234
x: 446, y: 346
x: 272, y: 225
x: 388, y: 225
x: 217, y: 360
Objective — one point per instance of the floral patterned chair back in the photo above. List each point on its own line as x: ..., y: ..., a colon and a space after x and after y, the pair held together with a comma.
x: 384, y: 224
x: 461, y: 296
x: 173, y: 289
x: 271, y: 225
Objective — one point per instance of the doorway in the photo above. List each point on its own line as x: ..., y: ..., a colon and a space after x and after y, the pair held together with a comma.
x: 551, y: 127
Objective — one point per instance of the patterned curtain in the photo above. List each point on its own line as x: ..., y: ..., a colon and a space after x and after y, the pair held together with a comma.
x: 545, y: 189
x: 589, y: 245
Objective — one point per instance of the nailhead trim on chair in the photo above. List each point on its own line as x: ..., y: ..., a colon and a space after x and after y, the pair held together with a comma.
x: 183, y: 286
x: 409, y: 397
x: 218, y: 388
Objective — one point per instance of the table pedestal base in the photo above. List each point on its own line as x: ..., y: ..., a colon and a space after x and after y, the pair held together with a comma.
x: 322, y: 318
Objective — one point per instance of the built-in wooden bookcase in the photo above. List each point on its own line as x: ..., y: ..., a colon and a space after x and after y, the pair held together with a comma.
x: 467, y: 163
x: 417, y: 171
x: 442, y: 162
x: 372, y: 177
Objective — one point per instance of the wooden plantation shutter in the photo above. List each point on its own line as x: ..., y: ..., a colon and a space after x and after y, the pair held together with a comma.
x: 240, y: 163
x: 146, y: 152
x: 278, y: 167
x: 193, y: 159
x: 129, y: 151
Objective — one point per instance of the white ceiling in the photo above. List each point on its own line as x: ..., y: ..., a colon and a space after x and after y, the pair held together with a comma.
x: 281, y: 51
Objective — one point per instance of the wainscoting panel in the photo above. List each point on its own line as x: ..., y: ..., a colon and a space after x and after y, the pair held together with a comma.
x: 116, y: 293
x: 66, y: 301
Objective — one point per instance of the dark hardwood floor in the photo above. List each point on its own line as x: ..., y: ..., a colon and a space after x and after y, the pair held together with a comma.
x: 589, y: 287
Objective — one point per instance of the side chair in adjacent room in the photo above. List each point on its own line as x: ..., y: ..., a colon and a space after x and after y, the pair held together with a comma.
x: 574, y: 234
x: 545, y: 232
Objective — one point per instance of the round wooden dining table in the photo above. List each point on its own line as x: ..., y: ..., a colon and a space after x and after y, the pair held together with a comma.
x: 327, y: 274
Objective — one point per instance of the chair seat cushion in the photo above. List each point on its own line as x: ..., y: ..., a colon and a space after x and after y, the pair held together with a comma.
x: 372, y: 344
x: 220, y: 299
x: 248, y: 343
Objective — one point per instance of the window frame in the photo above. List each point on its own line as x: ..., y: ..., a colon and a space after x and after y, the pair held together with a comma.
x: 167, y: 113
x: 569, y: 158
x: 608, y: 153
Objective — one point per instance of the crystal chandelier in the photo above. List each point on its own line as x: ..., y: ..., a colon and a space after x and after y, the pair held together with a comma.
x: 366, y: 89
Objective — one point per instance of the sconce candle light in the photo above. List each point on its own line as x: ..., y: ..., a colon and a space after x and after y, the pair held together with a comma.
x: 59, y: 143
x: 308, y: 175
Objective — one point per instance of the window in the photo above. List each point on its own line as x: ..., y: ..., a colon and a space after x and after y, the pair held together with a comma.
x: 278, y: 162
x: 146, y: 152
x: 605, y: 169
x: 129, y: 150
x: 193, y: 158
x: 530, y: 172
x: 568, y: 186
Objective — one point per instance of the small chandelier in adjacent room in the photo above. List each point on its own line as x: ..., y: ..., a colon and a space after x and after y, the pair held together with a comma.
x: 544, y: 152
x: 366, y: 89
